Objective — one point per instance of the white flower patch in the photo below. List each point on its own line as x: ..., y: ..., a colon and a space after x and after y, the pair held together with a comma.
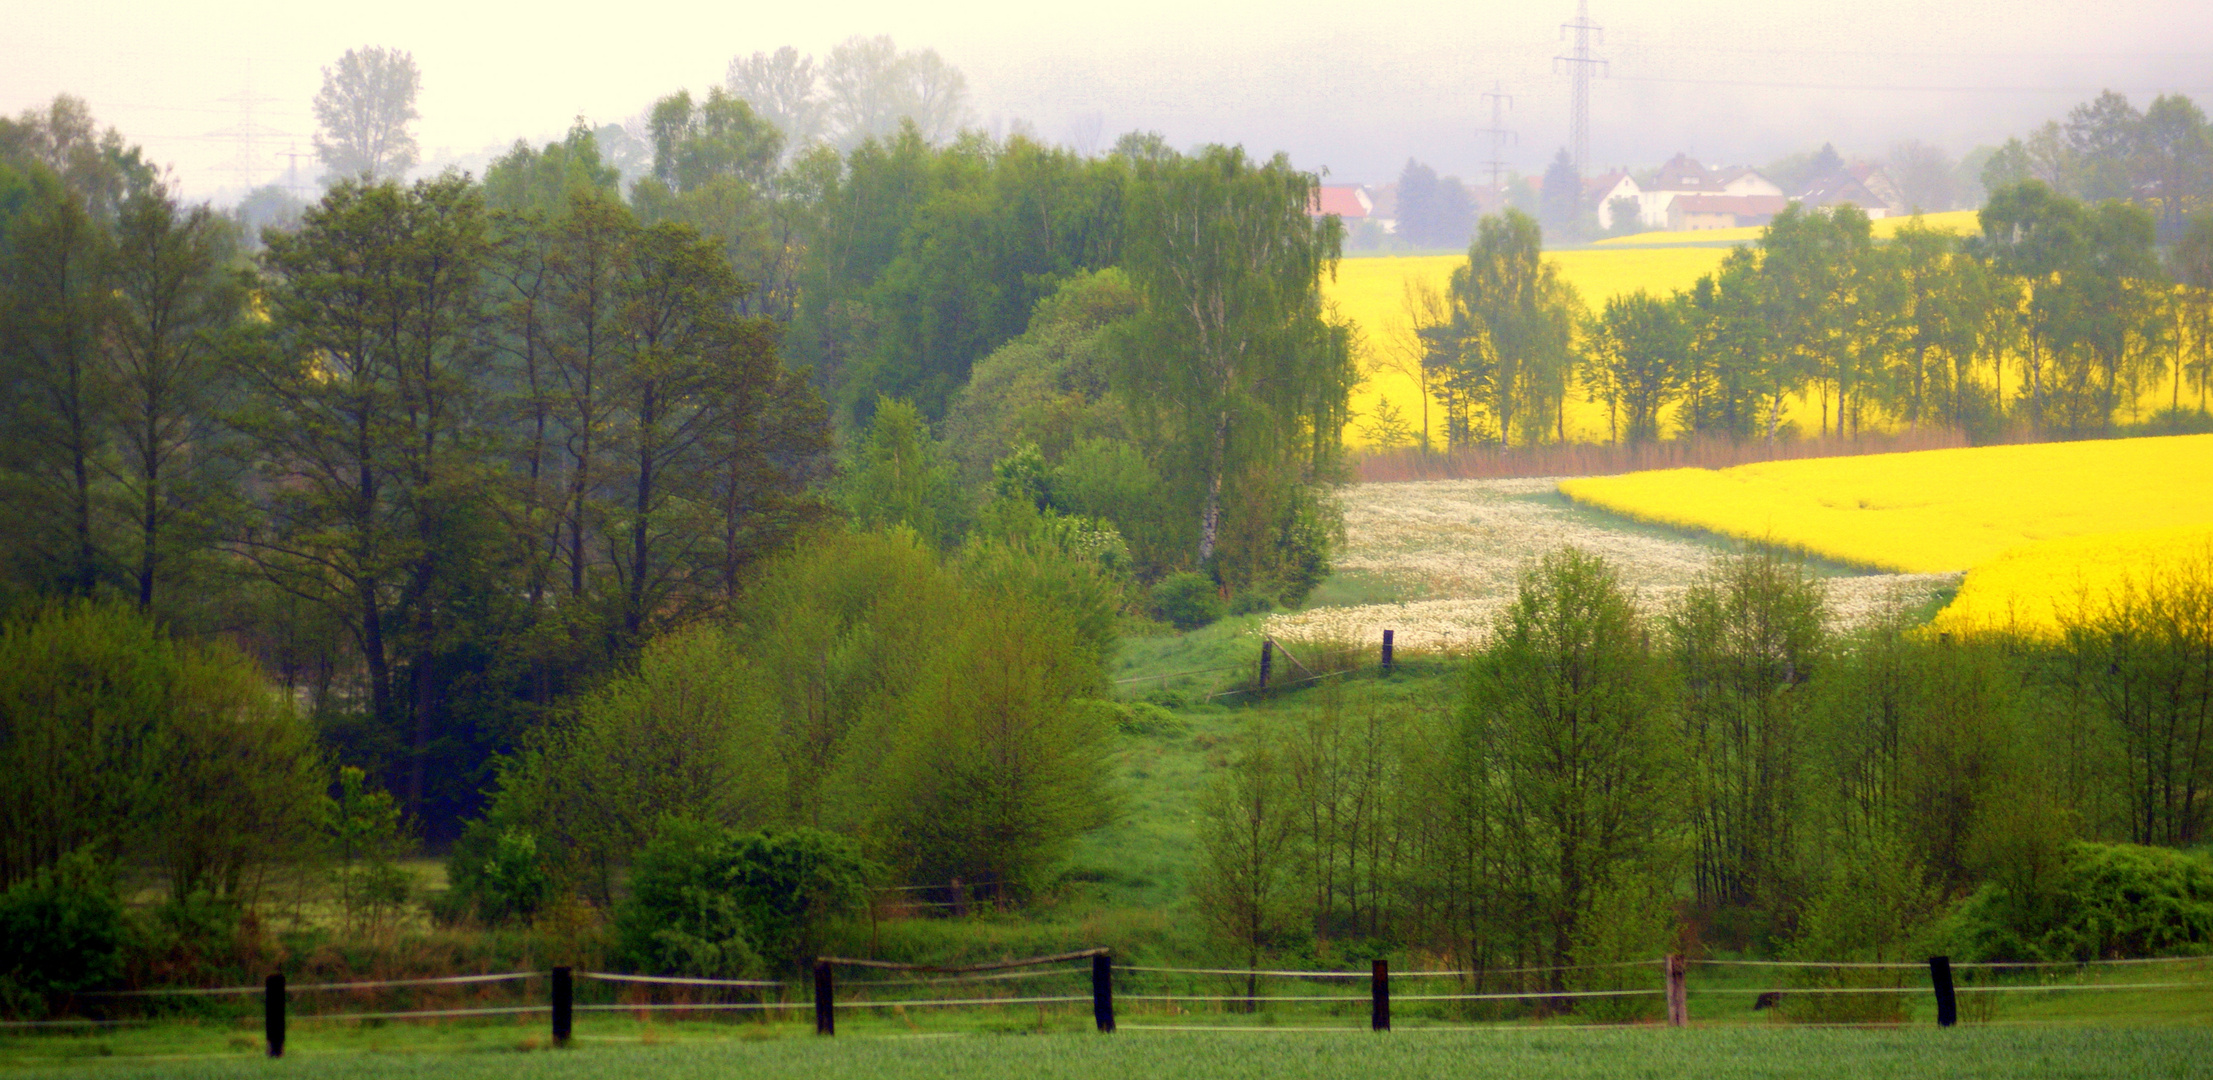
x: 1460, y: 546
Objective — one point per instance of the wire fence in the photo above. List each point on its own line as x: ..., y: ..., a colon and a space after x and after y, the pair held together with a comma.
x: 1166, y: 994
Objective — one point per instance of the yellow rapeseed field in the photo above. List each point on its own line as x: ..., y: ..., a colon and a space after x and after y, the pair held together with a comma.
x: 2034, y: 526
x: 1963, y: 222
x: 2032, y: 587
x: 1933, y: 510
x: 1369, y: 290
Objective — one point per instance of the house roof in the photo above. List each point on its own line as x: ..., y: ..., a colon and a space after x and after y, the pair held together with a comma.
x: 1681, y: 173
x: 1876, y: 181
x: 1345, y: 202
x: 1741, y: 205
x: 1605, y: 182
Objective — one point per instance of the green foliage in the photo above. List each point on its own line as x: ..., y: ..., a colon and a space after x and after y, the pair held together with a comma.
x: 1187, y: 600
x: 1235, y: 379
x: 2106, y: 901
x: 1507, y: 351
x: 121, y: 742
x: 1245, y: 888
x: 682, y: 734
x: 708, y: 900
x: 496, y: 874
x: 994, y: 769
x: 1745, y: 640
x: 369, y: 835
x: 898, y: 475
x: 1048, y: 387
x: 929, y: 258
x: 63, y: 930
x: 1559, y: 770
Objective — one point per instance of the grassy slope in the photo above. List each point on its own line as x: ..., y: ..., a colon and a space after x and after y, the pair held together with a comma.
x: 1719, y: 1054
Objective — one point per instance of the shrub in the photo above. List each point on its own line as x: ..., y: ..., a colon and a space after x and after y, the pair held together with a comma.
x: 62, y: 930
x: 706, y: 900
x: 119, y: 740
x: 1187, y: 600
x: 496, y: 874
x: 2106, y: 900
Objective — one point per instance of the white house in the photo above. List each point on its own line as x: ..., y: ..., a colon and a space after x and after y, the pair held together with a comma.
x: 1603, y: 190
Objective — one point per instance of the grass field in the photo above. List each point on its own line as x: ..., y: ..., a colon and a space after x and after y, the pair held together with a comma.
x: 2034, y: 525
x: 1283, y: 1054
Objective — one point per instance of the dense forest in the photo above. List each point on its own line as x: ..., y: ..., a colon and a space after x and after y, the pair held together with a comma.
x: 581, y: 528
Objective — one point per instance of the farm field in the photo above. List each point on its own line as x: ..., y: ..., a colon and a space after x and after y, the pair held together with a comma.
x: 1369, y: 290
x: 1963, y: 222
x: 1286, y: 1054
x: 2100, y: 507
x: 1441, y: 558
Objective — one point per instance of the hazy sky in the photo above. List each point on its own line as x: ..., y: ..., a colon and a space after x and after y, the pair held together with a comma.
x: 1353, y: 88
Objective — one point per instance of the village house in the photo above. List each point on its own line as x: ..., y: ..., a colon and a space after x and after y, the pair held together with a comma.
x: 1723, y: 198
x: 1350, y: 202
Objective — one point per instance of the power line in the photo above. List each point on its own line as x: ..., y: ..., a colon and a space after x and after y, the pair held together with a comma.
x: 1902, y: 87
x: 1500, y: 101
x: 1579, y: 67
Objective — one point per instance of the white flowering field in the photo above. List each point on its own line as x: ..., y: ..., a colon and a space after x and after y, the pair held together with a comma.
x: 1454, y: 549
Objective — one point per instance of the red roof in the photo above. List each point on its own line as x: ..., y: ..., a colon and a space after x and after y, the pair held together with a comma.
x: 1345, y: 202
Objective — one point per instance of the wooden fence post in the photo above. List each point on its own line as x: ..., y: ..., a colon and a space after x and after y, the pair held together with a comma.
x: 1678, y: 991
x: 1387, y: 635
x: 826, y: 1014
x: 1947, y: 1004
x: 272, y: 1013
x: 1267, y: 659
x: 564, y: 1005
x: 1379, y: 996
x: 1102, y: 992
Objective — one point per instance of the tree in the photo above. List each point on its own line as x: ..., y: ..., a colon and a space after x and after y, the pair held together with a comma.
x: 1512, y: 329
x: 2191, y: 262
x: 994, y: 768
x: 58, y: 308
x: 781, y: 88
x: 1563, y: 723
x: 1811, y: 263
x: 1561, y: 196
x: 899, y: 476
x: 1230, y: 365
x: 363, y: 111
x: 2101, y: 137
x: 682, y: 734
x: 720, y: 136
x: 175, y: 300
x: 1745, y: 639
x: 120, y: 742
x: 365, y: 419
x: 1244, y: 888
x: 1639, y: 352
x: 2174, y: 157
x: 1923, y: 174
x: 871, y: 87
x: 97, y: 168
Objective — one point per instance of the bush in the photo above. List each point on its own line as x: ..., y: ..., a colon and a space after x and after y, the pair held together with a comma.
x: 706, y: 900
x: 496, y: 875
x: 62, y: 931
x: 1187, y: 600
x: 2106, y: 901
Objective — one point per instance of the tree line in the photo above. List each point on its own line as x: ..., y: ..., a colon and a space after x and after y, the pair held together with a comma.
x: 499, y: 482
x: 1609, y: 780
x: 2059, y: 318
